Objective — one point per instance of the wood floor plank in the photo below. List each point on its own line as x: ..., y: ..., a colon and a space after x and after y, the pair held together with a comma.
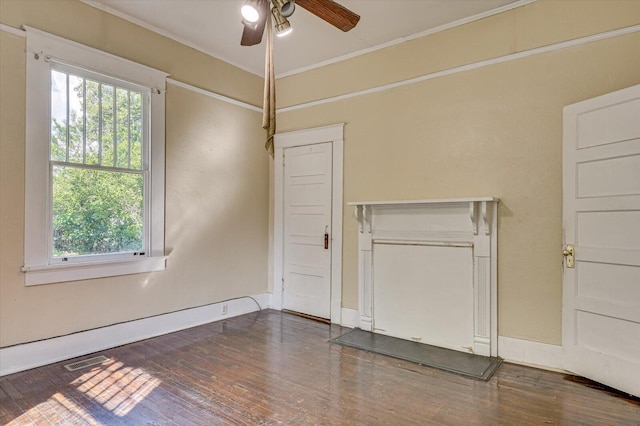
x: 275, y: 368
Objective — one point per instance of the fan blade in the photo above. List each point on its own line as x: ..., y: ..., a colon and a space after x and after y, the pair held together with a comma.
x: 251, y: 36
x: 332, y: 12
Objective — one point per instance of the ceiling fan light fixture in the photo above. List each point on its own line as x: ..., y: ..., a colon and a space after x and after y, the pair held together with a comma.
x: 285, y: 7
x: 250, y: 25
x: 284, y: 32
x: 282, y: 24
x: 250, y: 12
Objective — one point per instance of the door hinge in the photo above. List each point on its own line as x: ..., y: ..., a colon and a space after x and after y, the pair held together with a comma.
x: 569, y: 254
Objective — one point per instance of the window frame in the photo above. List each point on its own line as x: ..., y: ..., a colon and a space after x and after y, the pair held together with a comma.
x: 44, y: 50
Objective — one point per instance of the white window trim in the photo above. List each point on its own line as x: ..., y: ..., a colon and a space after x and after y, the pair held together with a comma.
x: 41, y: 47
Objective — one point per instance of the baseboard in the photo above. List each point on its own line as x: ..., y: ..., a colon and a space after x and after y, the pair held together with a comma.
x: 35, y: 354
x: 350, y: 318
x: 275, y: 302
x: 527, y: 352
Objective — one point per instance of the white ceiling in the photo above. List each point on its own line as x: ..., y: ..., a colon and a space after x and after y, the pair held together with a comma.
x: 213, y: 27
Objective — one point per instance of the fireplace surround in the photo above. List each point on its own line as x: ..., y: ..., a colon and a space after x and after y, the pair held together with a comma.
x: 428, y: 271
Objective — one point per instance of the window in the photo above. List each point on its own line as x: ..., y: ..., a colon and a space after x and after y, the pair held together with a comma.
x: 94, y: 200
x: 97, y: 166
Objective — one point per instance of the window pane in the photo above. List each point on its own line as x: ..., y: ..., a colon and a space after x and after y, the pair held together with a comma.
x: 107, y: 125
x: 96, y: 212
x: 76, y: 119
x: 136, y: 130
x: 122, y: 128
x: 58, y: 116
x: 93, y: 123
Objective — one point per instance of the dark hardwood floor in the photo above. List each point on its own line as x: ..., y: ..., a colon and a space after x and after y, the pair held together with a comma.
x: 274, y: 368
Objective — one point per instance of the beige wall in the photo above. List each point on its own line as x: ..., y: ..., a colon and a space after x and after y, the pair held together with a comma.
x: 493, y: 131
x: 216, y: 184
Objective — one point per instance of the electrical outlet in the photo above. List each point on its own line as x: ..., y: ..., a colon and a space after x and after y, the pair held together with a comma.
x: 224, y: 309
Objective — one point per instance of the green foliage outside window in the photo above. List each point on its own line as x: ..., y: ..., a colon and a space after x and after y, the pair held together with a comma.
x: 96, y: 153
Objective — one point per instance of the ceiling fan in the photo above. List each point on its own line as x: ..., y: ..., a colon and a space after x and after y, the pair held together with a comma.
x: 254, y: 16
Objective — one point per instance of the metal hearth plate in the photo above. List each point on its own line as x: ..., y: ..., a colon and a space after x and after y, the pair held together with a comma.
x: 465, y: 364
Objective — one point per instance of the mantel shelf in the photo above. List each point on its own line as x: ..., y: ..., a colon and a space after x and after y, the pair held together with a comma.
x: 427, y: 201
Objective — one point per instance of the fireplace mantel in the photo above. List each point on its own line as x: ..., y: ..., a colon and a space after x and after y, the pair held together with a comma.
x: 454, y: 234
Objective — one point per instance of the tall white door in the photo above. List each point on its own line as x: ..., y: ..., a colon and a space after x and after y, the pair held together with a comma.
x: 601, y: 168
x: 307, y: 229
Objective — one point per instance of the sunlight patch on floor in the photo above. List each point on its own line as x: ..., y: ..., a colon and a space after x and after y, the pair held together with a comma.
x: 56, y: 410
x: 117, y: 388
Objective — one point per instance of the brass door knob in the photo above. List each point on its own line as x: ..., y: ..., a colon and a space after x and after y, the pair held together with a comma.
x: 568, y: 253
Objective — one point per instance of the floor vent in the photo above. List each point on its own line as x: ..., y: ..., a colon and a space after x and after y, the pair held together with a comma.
x: 86, y: 363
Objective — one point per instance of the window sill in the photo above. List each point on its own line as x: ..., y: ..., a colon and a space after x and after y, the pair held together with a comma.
x: 47, y: 274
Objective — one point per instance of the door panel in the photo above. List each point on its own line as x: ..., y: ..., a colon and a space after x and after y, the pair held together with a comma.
x: 621, y: 176
x: 608, y: 282
x: 601, y: 217
x: 607, y: 335
x: 617, y: 121
x: 307, y: 216
x: 609, y: 230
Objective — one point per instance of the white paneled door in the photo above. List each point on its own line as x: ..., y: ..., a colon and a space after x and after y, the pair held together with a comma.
x: 601, y: 220
x: 307, y: 229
